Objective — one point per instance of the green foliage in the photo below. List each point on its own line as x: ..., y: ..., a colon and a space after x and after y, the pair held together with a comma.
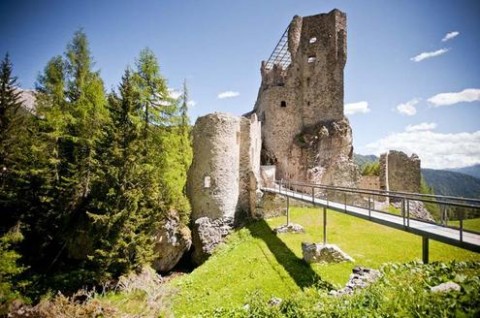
x: 371, y: 169
x: 10, y: 270
x: 403, y: 290
x: 13, y: 138
x: 92, y: 177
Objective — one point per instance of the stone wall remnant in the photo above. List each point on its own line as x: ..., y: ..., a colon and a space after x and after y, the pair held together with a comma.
x: 399, y: 172
x: 304, y: 130
x: 223, y: 178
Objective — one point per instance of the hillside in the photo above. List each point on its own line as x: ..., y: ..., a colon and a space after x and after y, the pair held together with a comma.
x: 473, y: 171
x: 361, y: 160
x: 452, y: 183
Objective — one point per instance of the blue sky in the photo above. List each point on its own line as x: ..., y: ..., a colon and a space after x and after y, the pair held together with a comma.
x: 395, y: 94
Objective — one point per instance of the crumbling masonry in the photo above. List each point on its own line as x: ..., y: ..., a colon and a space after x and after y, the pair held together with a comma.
x: 300, y: 103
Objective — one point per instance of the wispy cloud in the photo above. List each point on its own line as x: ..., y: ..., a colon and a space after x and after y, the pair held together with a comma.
x: 421, y: 127
x: 191, y: 103
x: 357, y: 108
x: 445, y: 99
x: 174, y: 93
x: 228, y: 94
x: 450, y: 35
x: 436, y: 150
x: 427, y: 55
x: 408, y: 108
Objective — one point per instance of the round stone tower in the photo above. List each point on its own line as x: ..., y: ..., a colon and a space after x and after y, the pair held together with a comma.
x: 213, y: 177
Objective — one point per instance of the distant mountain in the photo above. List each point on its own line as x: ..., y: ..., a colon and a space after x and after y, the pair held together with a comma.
x: 473, y: 171
x: 452, y: 183
x: 361, y: 160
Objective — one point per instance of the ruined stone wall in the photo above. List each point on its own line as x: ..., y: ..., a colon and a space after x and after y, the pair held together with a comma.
x: 306, y: 100
x: 369, y: 182
x: 225, y: 166
x: 250, y: 148
x: 213, y: 177
x: 398, y: 172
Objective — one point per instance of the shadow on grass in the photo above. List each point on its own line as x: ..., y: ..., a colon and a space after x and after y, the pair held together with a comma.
x: 300, y: 271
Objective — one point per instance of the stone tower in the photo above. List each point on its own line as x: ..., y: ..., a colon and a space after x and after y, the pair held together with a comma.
x: 300, y: 103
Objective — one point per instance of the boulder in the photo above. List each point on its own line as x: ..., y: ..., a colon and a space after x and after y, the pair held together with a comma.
x: 289, y: 228
x: 208, y: 234
x: 172, y: 240
x: 320, y: 253
x: 445, y: 287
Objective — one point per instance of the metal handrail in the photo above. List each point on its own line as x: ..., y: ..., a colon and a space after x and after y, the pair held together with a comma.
x: 404, y: 197
x: 436, y: 199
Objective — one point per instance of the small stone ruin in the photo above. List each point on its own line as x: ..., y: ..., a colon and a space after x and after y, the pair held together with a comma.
x: 324, y: 253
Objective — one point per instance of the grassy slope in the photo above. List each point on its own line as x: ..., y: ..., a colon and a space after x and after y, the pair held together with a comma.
x: 255, y: 259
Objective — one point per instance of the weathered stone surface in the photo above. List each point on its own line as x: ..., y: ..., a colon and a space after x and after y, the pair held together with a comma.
x: 222, y: 180
x: 289, y: 228
x: 417, y: 210
x: 270, y: 205
x: 304, y: 131
x: 328, y: 253
x: 275, y: 301
x: 360, y: 278
x: 207, y: 234
x: 398, y: 172
x: 172, y: 240
x: 445, y: 287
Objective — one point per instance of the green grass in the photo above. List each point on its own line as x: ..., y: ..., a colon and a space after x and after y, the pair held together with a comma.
x: 256, y: 259
x: 470, y: 224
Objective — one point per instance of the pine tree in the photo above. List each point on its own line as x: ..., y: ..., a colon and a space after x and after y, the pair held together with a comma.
x: 12, y: 146
x: 10, y: 103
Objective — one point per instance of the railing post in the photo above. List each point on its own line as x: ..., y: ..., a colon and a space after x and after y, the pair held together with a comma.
x: 461, y: 225
x: 313, y: 195
x: 425, y: 249
x: 408, y: 215
x: 369, y: 205
x: 345, y: 201
x: 324, y: 225
x: 403, y: 210
x: 288, y: 210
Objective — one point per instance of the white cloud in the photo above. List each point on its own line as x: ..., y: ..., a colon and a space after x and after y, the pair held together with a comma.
x: 355, y: 108
x: 421, y: 127
x: 444, y: 99
x: 227, y: 94
x: 174, y: 93
x: 426, y: 55
x: 450, y: 35
x: 436, y: 150
x: 191, y: 103
x: 408, y: 108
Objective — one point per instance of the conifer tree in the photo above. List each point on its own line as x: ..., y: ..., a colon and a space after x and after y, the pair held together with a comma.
x: 12, y: 141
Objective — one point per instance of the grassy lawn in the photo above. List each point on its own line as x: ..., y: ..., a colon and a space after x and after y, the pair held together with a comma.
x: 256, y: 259
x: 470, y: 224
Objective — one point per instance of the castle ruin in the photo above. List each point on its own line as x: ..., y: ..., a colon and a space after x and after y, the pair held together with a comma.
x: 297, y: 130
x: 300, y: 103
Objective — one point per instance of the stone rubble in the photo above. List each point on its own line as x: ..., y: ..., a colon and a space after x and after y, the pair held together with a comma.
x: 361, y: 277
x: 320, y: 253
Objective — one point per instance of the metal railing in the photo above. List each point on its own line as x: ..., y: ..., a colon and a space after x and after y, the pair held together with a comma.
x: 449, y: 211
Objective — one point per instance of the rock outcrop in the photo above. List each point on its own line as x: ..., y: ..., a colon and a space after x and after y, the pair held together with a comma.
x: 361, y: 277
x: 172, y: 240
